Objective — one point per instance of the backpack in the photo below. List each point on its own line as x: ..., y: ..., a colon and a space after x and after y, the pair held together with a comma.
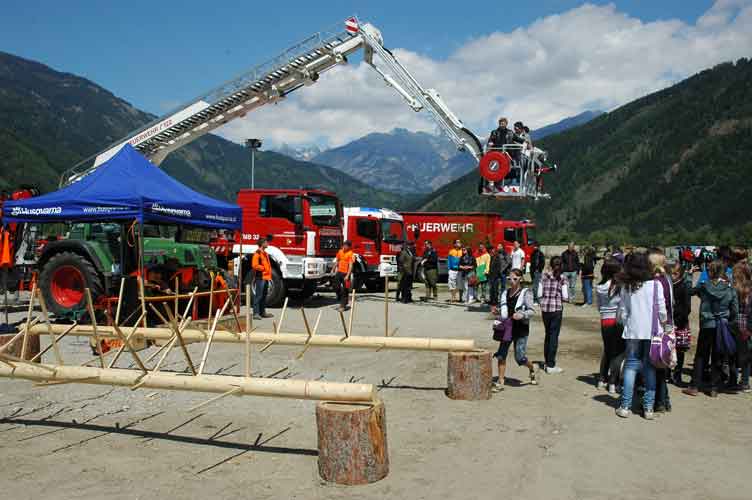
x: 662, y: 344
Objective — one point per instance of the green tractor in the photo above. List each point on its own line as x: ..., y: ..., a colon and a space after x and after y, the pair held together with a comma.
x: 97, y: 255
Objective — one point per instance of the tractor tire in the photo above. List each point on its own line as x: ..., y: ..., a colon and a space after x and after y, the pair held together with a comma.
x: 63, y: 281
x: 275, y: 296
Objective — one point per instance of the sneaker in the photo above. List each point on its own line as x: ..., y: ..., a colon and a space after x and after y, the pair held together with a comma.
x: 746, y: 389
x: 690, y: 391
x: 497, y: 387
x: 601, y: 385
x: 649, y: 415
x: 623, y: 412
x: 267, y: 315
x: 532, y: 379
x: 612, y: 388
x: 584, y: 305
x: 553, y: 369
x: 256, y: 317
x: 713, y: 393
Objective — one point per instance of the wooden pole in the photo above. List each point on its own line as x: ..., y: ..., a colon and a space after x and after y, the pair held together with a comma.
x: 386, y: 306
x: 311, y: 333
x: 90, y: 307
x: 25, y: 343
x: 352, y: 314
x: 232, y: 391
x: 177, y: 296
x: 248, y: 329
x: 344, y: 325
x: 174, y: 327
x: 281, y: 316
x: 122, y: 347
x: 53, y: 338
x: 211, y: 337
x: 288, y: 339
x: 210, y: 314
x: 268, y: 387
x: 120, y: 300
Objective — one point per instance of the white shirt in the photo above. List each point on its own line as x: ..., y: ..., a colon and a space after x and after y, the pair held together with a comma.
x: 518, y: 259
x: 636, y: 310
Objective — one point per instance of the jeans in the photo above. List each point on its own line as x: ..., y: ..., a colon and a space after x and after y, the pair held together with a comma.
x: 571, y: 277
x: 706, y: 351
x: 342, y: 290
x: 745, y: 373
x: 613, y: 347
x: 520, y: 350
x: 493, y: 287
x: 431, y: 277
x: 537, y: 275
x: 481, y: 289
x: 638, y: 360
x: 587, y: 290
x: 260, y: 288
x: 552, y: 324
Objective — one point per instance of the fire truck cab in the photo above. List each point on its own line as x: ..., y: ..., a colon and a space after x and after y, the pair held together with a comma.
x: 377, y: 236
x: 304, y: 226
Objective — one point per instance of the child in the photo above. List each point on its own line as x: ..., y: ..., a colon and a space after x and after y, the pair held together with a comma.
x: 608, y: 297
x: 682, y: 309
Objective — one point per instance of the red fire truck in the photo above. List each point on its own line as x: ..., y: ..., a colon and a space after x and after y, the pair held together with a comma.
x: 377, y: 235
x: 306, y: 233
x: 472, y: 228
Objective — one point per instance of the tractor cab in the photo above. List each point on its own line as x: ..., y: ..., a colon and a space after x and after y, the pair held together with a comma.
x: 514, y: 171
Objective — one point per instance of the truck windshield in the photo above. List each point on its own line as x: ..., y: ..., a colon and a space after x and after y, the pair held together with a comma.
x: 324, y: 210
x: 393, y: 231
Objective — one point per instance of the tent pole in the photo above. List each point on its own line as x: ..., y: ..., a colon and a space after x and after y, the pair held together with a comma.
x: 141, y: 270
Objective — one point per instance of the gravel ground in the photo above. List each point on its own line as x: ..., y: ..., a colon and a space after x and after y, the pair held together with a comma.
x: 558, y: 440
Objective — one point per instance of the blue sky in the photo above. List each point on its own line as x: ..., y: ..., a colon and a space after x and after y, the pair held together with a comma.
x: 158, y: 54
x: 536, y: 61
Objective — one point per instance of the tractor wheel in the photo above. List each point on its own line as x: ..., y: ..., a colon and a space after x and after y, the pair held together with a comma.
x: 63, y: 281
x: 275, y: 296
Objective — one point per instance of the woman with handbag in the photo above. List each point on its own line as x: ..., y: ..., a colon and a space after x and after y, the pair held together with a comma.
x: 515, y: 310
x: 718, y: 308
x: 682, y: 309
x: 642, y: 311
x: 658, y: 261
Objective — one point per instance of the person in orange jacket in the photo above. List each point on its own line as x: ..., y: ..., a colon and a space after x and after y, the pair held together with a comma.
x: 343, y: 277
x: 262, y: 275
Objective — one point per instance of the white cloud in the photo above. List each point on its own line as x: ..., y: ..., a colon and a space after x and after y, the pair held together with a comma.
x: 560, y: 65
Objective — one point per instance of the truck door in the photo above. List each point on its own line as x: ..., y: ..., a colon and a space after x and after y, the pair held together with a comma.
x: 367, y: 240
x: 284, y: 218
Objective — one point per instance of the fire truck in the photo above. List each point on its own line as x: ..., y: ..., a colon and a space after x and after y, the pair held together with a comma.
x: 22, y: 240
x: 377, y: 235
x: 472, y: 228
x: 305, y: 230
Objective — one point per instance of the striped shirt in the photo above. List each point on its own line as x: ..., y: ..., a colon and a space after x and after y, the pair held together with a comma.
x: 552, y: 293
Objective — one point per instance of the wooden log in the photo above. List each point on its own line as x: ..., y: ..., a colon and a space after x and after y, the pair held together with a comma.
x: 469, y: 375
x: 248, y: 330
x: 352, y: 442
x: 289, y: 339
x: 217, y: 384
x: 32, y: 345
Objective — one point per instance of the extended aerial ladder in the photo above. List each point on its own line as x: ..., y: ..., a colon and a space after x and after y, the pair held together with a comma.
x: 299, y: 66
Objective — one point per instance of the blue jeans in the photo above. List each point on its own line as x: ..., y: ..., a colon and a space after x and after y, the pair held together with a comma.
x: 587, y: 290
x: 638, y: 360
x: 260, y: 287
x: 571, y: 277
x: 520, y: 350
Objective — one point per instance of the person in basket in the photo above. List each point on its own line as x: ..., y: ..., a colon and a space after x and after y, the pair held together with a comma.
x: 515, y: 303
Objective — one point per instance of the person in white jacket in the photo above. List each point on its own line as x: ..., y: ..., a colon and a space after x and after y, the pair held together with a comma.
x: 639, y: 297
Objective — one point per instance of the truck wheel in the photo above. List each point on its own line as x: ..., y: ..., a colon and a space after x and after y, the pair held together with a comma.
x: 275, y: 296
x: 309, y: 288
x: 63, y: 281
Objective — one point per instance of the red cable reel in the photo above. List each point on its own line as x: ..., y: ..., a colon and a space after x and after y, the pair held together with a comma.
x: 495, y: 165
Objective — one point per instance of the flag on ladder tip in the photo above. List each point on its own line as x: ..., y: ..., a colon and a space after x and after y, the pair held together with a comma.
x: 351, y: 25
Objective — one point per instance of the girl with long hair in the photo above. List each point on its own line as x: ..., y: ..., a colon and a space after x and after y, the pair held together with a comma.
x: 658, y: 262
x: 608, y: 297
x: 639, y: 294
x: 682, y: 309
x: 743, y: 284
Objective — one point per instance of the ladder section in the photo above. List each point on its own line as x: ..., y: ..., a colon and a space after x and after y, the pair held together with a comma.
x: 297, y: 66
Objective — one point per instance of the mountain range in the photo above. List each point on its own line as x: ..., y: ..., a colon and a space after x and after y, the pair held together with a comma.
x: 673, y: 166
x: 50, y: 120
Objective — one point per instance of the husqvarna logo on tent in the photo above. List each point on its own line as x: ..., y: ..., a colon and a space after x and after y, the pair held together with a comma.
x: 174, y: 212
x: 15, y: 211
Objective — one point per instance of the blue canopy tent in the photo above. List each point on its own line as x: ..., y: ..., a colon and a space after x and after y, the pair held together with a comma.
x: 126, y: 187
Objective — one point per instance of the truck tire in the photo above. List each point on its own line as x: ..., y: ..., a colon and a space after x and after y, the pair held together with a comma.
x: 375, y: 285
x: 275, y: 296
x: 63, y: 281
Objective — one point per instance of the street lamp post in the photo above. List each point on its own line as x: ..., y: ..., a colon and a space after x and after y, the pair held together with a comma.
x: 253, y: 145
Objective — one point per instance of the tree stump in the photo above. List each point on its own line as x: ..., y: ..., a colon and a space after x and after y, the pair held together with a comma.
x: 469, y: 375
x: 32, y: 349
x: 352, y: 442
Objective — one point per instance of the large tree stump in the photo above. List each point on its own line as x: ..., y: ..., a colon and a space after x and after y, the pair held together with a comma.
x: 352, y: 442
x: 32, y: 349
x: 469, y: 375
